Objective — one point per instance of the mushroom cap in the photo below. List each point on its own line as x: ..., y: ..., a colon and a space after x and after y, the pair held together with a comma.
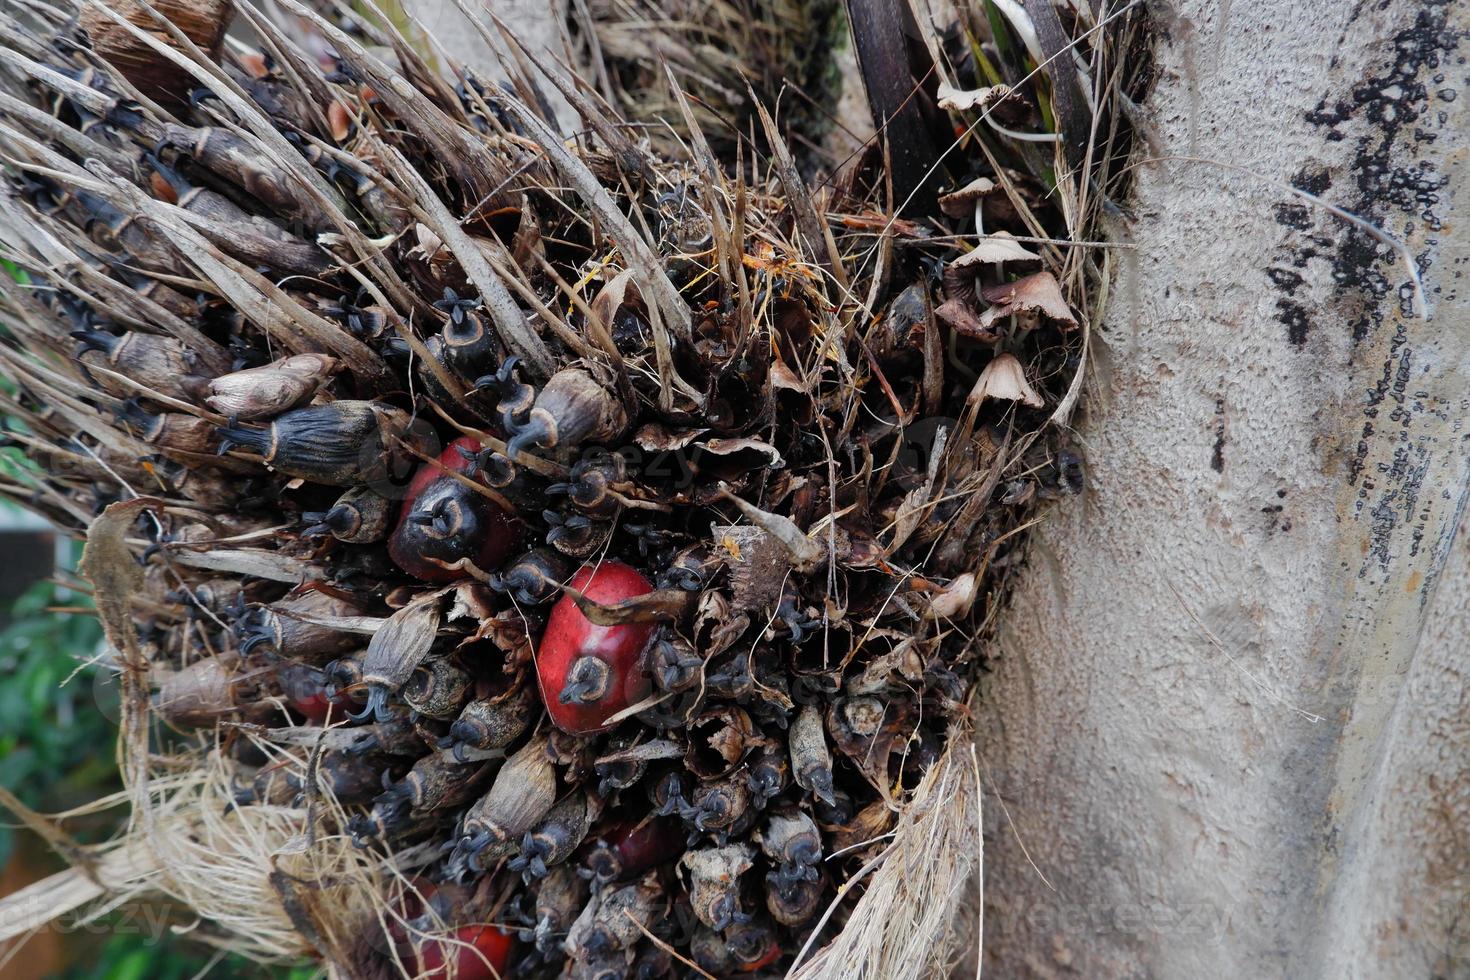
x: 995, y: 248
x: 1036, y: 293
x: 1004, y: 378
x: 958, y: 204
x: 961, y: 100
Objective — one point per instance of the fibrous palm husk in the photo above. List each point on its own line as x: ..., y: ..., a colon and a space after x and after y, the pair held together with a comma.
x: 767, y: 395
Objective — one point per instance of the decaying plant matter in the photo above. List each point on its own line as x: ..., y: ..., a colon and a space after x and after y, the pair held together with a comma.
x: 726, y: 56
x: 596, y: 534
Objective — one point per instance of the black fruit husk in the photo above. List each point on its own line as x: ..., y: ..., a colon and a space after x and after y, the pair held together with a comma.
x: 815, y: 436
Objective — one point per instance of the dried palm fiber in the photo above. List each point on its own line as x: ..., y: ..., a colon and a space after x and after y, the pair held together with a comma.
x: 594, y: 540
x: 726, y: 55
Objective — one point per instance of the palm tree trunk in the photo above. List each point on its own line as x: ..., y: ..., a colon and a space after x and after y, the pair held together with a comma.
x: 1228, y: 716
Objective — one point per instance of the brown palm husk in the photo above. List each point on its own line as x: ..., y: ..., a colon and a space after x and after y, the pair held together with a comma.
x: 801, y: 274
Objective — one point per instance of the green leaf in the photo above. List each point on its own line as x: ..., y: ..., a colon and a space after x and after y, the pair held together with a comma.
x: 134, y: 966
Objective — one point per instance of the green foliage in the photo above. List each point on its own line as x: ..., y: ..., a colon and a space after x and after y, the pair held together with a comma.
x: 139, y: 957
x: 57, y: 744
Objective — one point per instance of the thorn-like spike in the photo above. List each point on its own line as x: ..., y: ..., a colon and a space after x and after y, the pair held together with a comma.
x: 376, y: 706
x: 318, y: 526
x: 92, y: 339
x: 231, y: 437
x: 533, y: 432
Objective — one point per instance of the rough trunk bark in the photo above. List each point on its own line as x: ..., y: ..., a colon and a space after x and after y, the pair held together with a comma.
x: 1228, y: 718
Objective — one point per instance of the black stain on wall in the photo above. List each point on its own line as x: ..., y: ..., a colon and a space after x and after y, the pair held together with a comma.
x: 1393, y: 104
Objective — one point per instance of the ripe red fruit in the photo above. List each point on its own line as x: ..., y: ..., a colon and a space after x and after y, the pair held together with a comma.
x: 444, y: 521
x: 771, y: 955
x: 305, y: 689
x: 480, y: 952
x: 315, y: 707
x: 412, y: 903
x: 629, y: 847
x: 588, y: 672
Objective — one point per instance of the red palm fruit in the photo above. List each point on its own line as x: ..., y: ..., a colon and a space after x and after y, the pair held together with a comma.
x: 451, y: 458
x: 316, y: 706
x: 412, y: 903
x: 479, y: 952
x: 628, y: 848
x: 589, y: 673
x: 443, y: 522
x: 753, y: 945
x: 304, y: 688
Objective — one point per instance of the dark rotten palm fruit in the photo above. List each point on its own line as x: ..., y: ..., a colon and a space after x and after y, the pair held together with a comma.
x: 445, y: 521
x: 341, y: 443
x: 643, y: 661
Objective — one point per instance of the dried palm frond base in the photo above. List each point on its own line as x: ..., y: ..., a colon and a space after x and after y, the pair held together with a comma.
x: 725, y: 55
x: 529, y: 556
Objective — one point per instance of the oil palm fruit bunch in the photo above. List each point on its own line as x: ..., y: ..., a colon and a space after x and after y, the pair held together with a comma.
x: 614, y: 526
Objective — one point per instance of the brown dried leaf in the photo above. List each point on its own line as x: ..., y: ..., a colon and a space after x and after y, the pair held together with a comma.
x: 656, y: 437
x: 728, y: 447
x: 783, y: 377
x: 647, y: 752
x: 661, y: 605
x: 716, y: 625
x: 429, y: 247
x: 621, y: 290
x: 729, y: 741
x: 910, y: 514
x: 472, y: 601
x: 869, y: 825
x: 527, y: 243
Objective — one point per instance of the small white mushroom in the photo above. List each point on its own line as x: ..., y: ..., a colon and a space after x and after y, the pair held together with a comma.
x: 1004, y: 378
x: 1036, y: 293
x: 962, y: 100
x: 969, y: 198
x: 993, y: 250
